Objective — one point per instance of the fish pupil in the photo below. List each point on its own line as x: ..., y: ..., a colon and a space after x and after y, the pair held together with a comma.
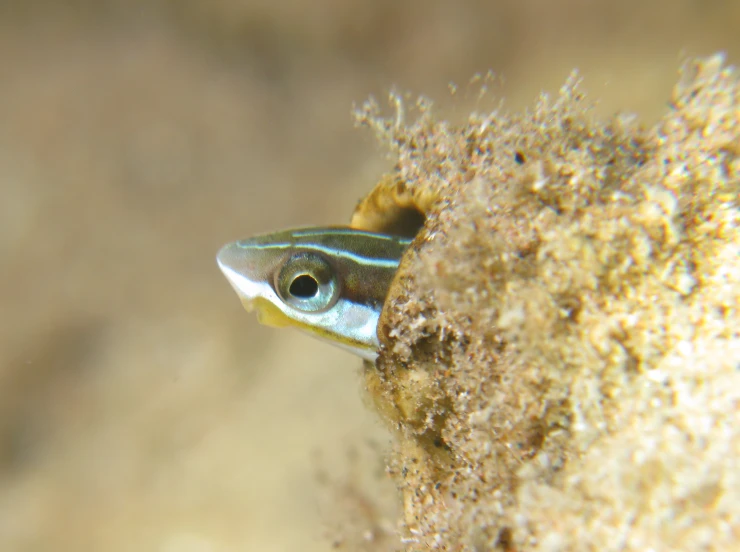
x: 304, y: 286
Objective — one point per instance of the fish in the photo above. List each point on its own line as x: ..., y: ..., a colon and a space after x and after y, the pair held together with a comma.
x: 329, y: 282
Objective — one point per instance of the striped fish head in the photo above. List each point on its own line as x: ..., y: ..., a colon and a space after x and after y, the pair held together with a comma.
x: 329, y: 282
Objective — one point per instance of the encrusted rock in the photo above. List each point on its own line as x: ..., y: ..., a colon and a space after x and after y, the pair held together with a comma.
x: 560, y: 349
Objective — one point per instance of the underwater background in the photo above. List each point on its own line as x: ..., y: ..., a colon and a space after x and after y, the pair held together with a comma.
x: 140, y: 407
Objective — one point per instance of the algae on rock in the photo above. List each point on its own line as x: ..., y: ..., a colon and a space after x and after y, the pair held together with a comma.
x: 560, y: 349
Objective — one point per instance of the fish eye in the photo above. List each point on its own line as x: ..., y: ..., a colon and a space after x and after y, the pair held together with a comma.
x: 304, y: 286
x: 308, y: 283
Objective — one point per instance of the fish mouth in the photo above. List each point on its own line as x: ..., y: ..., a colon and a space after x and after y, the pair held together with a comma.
x: 238, y: 271
x: 267, y: 313
x: 226, y: 260
x: 254, y: 293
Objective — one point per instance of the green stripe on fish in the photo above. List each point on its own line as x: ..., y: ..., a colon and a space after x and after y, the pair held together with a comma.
x: 329, y: 282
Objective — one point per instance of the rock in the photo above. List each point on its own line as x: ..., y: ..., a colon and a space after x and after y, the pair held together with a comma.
x: 560, y: 352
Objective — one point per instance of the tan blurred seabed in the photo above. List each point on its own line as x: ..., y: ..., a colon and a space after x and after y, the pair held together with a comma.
x: 140, y: 407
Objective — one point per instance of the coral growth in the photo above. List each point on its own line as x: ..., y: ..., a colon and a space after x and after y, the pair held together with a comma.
x: 561, y: 356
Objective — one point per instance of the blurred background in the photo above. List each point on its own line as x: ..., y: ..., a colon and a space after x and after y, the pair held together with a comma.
x: 140, y: 407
